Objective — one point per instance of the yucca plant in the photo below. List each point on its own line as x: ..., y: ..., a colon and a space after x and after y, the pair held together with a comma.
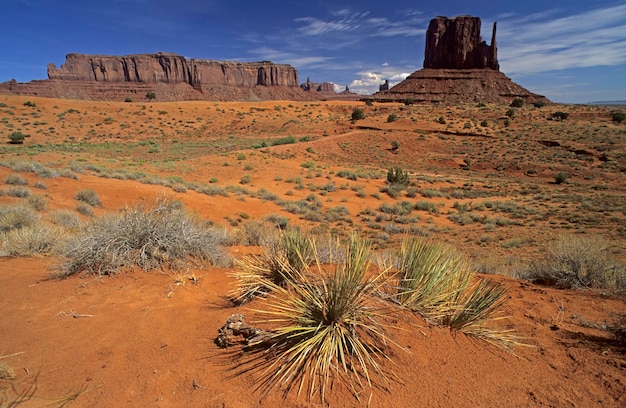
x: 330, y: 327
x: 431, y: 278
x: 255, y: 275
x: 438, y: 283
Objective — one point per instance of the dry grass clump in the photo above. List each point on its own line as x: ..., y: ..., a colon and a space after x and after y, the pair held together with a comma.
x: 148, y: 236
x: 65, y: 218
x: 578, y: 262
x: 17, y: 216
x: 438, y: 283
x: 330, y: 327
x: 36, y: 239
x: 88, y: 196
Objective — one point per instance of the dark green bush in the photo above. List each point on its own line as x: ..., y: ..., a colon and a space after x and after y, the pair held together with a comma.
x: 517, y: 103
x: 618, y: 117
x: 357, y: 114
x: 16, y: 137
x: 397, y: 176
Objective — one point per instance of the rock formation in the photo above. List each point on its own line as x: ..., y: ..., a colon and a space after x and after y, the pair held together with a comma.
x: 170, y: 76
x: 455, y: 43
x: 459, y: 67
x: 326, y: 90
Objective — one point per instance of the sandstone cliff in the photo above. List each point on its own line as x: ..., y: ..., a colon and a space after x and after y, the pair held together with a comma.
x: 171, y: 68
x: 172, y: 77
x: 455, y: 43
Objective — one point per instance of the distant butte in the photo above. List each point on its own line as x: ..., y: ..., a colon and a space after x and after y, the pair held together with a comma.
x: 458, y: 67
x: 171, y: 77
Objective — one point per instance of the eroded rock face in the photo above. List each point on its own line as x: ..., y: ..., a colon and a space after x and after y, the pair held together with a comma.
x: 455, y: 43
x: 171, y: 68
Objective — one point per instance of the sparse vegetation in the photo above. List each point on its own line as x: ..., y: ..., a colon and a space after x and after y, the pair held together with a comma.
x: 578, y: 262
x: 357, y: 114
x: 16, y: 137
x: 144, y: 235
x: 88, y: 196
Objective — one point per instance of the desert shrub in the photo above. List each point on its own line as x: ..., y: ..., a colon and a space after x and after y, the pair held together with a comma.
x: 147, y: 236
x: 559, y: 115
x: 283, y: 141
x: 256, y: 232
x: 357, y: 114
x: 395, y: 145
x: 409, y: 101
x: 539, y: 104
x: 578, y: 262
x: 151, y: 95
x: 15, y: 179
x: 19, y: 192
x: 128, y: 99
x: 369, y: 102
x: 278, y: 220
x: 330, y: 328
x: 396, y: 175
x: 510, y: 112
x: 392, y: 118
x: 618, y: 117
x: 65, y: 218
x: 40, y: 185
x: 37, y: 202
x: 517, y: 103
x: 17, y: 216
x: 441, y: 120
x: 179, y: 187
x: 88, y: 196
x: 560, y: 177
x: 438, y: 283
x: 245, y: 179
x: 30, y: 104
x: 84, y: 209
x: 32, y: 240
x: 16, y: 137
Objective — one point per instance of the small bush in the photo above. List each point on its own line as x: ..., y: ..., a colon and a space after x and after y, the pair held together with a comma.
x: 19, y: 192
x: 16, y: 217
x: 618, y: 117
x: 16, y: 137
x: 539, y: 104
x: 150, y: 95
x: 517, y: 103
x: 578, y: 262
x: 65, y: 218
x: 397, y: 176
x: 441, y: 120
x: 15, y: 179
x: 560, y: 177
x: 88, y: 196
x: 392, y: 118
x: 30, y: 104
x: 147, y: 236
x: 84, y: 209
x: 409, y: 101
x: 357, y: 114
x: 32, y: 240
x: 559, y: 115
x: 510, y: 112
x: 37, y: 202
x: 129, y: 99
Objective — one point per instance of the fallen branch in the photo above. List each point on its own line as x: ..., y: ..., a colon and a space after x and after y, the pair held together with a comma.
x: 236, y: 326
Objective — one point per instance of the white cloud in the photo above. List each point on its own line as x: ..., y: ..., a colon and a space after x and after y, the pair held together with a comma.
x: 283, y: 57
x: 369, y: 81
x: 543, y: 42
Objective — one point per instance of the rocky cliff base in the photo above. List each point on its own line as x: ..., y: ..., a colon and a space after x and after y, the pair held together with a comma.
x: 457, y: 86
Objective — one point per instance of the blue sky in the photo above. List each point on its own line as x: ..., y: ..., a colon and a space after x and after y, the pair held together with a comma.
x: 571, y: 51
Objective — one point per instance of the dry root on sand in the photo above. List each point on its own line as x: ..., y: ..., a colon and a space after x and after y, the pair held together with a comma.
x: 236, y: 326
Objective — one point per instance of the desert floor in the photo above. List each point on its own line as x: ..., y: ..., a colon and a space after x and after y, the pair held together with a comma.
x: 480, y: 181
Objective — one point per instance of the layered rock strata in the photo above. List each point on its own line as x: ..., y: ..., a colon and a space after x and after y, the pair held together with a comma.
x: 171, y: 77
